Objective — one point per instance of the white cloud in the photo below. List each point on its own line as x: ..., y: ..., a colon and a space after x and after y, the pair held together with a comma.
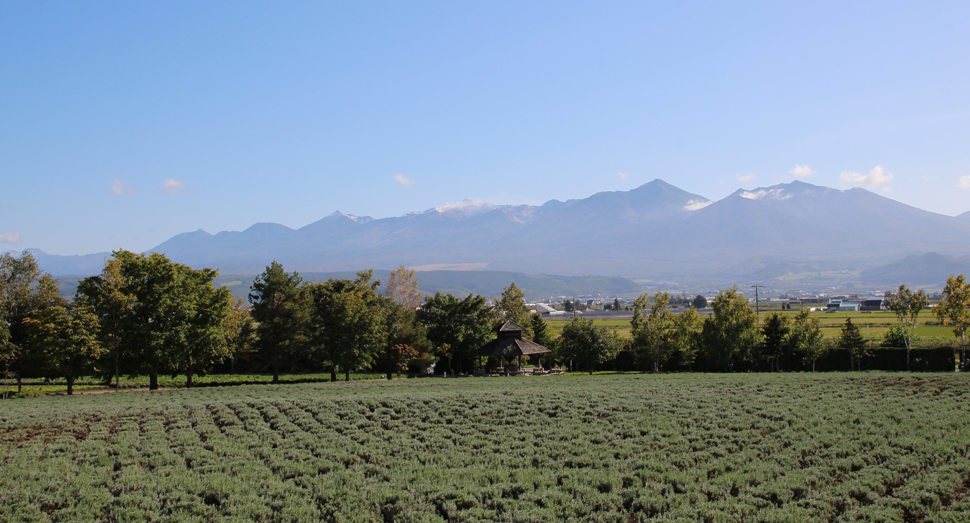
x: 403, y: 180
x: 118, y: 188
x: 622, y: 176
x: 172, y: 187
x: 10, y: 237
x: 964, y: 182
x: 771, y: 194
x: 745, y: 178
x: 694, y: 205
x: 801, y: 171
x: 877, y: 177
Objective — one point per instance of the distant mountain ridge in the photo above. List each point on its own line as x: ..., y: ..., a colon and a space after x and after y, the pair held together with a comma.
x: 655, y: 231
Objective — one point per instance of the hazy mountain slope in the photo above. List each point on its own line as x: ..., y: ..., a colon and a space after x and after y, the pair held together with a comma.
x: 462, y: 283
x: 57, y: 265
x: 930, y: 269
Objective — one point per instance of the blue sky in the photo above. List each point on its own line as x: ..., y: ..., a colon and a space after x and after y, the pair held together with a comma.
x: 123, y: 124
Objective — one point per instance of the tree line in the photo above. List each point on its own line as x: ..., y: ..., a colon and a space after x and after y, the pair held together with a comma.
x: 732, y: 336
x: 147, y: 315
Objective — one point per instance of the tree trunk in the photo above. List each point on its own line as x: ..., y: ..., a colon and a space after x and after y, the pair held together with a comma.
x: 346, y: 374
x: 333, y: 374
x: 276, y: 374
x: 70, y: 385
x: 963, y: 350
x: 813, y: 366
x: 188, y: 379
x: 20, y: 383
x: 153, y: 380
x: 117, y: 374
x: 390, y: 374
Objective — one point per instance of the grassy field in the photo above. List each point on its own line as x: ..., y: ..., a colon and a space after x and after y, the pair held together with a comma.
x: 795, y: 447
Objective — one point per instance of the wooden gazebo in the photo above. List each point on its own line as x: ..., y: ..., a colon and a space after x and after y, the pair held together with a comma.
x: 510, y: 344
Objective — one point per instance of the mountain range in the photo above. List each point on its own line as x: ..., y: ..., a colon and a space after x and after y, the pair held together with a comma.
x: 656, y: 231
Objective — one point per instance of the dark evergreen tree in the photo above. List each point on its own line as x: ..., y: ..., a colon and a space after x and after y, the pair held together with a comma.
x: 540, y: 331
x: 281, y: 310
x: 852, y: 341
x: 775, y: 341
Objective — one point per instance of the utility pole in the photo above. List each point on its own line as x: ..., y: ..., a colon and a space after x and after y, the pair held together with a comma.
x: 757, y: 307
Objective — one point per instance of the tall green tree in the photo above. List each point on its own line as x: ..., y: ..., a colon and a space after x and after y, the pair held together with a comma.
x: 407, y: 344
x: 652, y: 331
x: 775, y: 341
x: 208, y: 312
x: 954, y: 310
x: 731, y: 333
x: 587, y: 345
x: 907, y: 305
x: 105, y: 295
x: 65, y: 338
x: 511, y: 307
x: 240, y: 331
x: 686, y: 336
x: 456, y: 327
x: 172, y: 316
x: 699, y: 302
x: 806, y: 337
x: 281, y: 307
x: 852, y: 341
x: 24, y: 290
x: 347, y: 323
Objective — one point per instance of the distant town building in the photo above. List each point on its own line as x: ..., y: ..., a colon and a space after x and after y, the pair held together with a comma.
x: 542, y: 308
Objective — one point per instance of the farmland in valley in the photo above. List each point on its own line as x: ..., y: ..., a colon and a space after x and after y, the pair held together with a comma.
x: 793, y: 447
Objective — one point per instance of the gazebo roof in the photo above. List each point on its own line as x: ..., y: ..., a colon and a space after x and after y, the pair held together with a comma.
x: 510, y: 326
x: 510, y: 347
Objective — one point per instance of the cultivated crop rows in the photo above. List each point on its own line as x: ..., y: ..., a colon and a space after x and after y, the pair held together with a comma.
x: 627, y: 448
